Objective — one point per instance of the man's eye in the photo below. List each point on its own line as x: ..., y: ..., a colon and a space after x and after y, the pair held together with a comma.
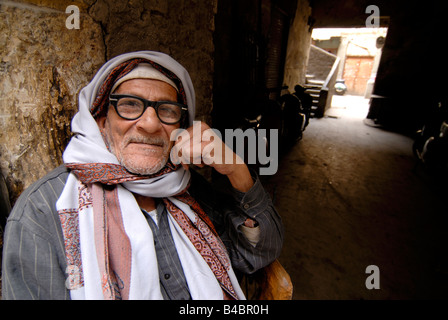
x: 170, y: 111
x: 129, y: 103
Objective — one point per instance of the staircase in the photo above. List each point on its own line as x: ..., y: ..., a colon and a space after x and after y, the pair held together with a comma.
x: 320, y: 81
x: 314, y: 88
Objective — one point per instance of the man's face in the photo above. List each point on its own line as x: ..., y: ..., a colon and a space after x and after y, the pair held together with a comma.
x: 142, y: 146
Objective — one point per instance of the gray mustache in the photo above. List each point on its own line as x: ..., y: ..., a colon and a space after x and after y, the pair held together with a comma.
x: 158, y: 141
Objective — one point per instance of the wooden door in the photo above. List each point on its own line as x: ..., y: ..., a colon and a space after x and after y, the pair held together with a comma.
x: 357, y: 71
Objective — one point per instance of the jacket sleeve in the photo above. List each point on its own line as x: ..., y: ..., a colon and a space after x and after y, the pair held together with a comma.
x: 229, y: 211
x: 30, y: 267
x: 33, y: 259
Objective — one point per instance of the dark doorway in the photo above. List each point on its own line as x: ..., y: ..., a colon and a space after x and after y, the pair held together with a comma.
x: 250, y: 50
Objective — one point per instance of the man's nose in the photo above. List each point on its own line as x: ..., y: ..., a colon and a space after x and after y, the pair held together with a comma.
x: 149, y: 121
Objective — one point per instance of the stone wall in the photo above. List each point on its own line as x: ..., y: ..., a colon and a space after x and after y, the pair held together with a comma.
x: 298, y: 46
x: 43, y: 65
x: 181, y: 28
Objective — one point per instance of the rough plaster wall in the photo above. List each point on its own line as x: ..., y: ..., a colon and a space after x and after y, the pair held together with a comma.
x: 299, y: 41
x: 181, y: 28
x: 42, y: 66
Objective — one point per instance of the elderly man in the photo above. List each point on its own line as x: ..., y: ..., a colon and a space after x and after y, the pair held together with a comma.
x: 119, y: 220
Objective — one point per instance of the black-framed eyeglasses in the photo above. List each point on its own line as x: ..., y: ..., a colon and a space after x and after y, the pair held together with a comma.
x: 131, y: 107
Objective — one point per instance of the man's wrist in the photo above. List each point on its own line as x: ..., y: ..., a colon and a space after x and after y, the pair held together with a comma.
x: 240, y: 178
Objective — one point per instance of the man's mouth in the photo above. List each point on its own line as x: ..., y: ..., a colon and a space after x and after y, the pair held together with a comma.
x: 149, y: 141
x: 146, y: 144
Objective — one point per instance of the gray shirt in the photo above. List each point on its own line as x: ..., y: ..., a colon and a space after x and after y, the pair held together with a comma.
x: 173, y: 284
x: 34, y: 258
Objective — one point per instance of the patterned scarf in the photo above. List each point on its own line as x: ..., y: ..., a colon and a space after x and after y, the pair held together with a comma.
x: 94, y: 215
x: 113, y: 243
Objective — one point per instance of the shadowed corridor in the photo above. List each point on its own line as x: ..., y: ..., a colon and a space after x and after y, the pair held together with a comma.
x: 351, y: 196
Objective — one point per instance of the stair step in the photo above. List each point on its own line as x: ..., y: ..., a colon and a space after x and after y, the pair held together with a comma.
x: 317, y: 82
x: 312, y: 87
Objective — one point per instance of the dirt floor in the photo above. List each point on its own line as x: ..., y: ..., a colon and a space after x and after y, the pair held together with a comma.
x: 352, y: 196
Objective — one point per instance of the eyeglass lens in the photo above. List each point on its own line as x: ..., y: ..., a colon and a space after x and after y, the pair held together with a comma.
x: 132, y: 108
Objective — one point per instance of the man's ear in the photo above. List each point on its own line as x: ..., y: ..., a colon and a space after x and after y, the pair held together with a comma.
x: 101, y: 121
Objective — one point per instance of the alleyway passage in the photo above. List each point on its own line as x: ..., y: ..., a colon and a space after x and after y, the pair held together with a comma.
x: 351, y: 196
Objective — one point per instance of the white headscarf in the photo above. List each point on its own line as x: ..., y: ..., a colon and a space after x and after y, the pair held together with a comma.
x: 84, y: 126
x: 76, y: 209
